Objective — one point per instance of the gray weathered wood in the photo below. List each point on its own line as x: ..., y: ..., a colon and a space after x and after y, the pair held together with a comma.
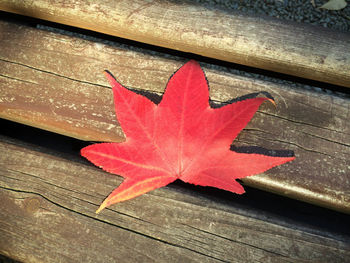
x: 47, y: 215
x: 54, y: 82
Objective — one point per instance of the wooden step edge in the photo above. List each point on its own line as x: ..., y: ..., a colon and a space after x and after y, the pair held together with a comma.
x: 296, y: 49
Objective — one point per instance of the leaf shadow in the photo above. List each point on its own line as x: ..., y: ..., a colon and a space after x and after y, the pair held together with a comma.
x: 216, y: 104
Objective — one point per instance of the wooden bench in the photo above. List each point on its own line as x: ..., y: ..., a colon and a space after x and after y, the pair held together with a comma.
x: 51, y: 79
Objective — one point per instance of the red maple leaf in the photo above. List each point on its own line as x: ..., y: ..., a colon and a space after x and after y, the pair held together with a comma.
x: 180, y: 138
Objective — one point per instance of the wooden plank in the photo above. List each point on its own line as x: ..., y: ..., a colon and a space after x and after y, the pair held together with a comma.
x: 47, y: 215
x: 282, y: 46
x: 54, y: 82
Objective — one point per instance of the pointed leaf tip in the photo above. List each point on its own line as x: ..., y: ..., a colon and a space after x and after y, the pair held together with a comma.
x: 268, y: 97
x: 102, y: 206
x: 111, y: 79
x: 273, y: 102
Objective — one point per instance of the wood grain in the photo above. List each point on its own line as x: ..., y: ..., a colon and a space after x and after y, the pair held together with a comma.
x: 291, y: 48
x: 47, y: 215
x: 54, y: 82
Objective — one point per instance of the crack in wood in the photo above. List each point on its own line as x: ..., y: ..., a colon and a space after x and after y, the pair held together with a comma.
x: 286, y: 142
x: 299, y: 122
x: 21, y: 80
x: 328, y: 140
x: 52, y: 184
x: 306, y: 149
x: 110, y: 223
x: 236, y: 241
x: 55, y: 74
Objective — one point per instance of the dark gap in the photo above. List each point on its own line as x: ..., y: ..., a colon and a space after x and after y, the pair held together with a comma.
x: 260, y: 150
x: 42, y: 141
x: 254, y: 203
x: 177, y: 54
x: 4, y: 259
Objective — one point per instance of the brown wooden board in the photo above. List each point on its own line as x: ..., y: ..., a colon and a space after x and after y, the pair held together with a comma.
x: 291, y: 48
x: 55, y: 82
x: 47, y: 215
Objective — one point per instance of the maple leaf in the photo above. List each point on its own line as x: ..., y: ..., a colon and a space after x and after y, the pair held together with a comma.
x: 180, y: 138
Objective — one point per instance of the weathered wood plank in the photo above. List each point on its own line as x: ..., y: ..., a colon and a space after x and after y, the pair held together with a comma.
x: 47, y: 215
x: 54, y: 82
x: 296, y: 49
